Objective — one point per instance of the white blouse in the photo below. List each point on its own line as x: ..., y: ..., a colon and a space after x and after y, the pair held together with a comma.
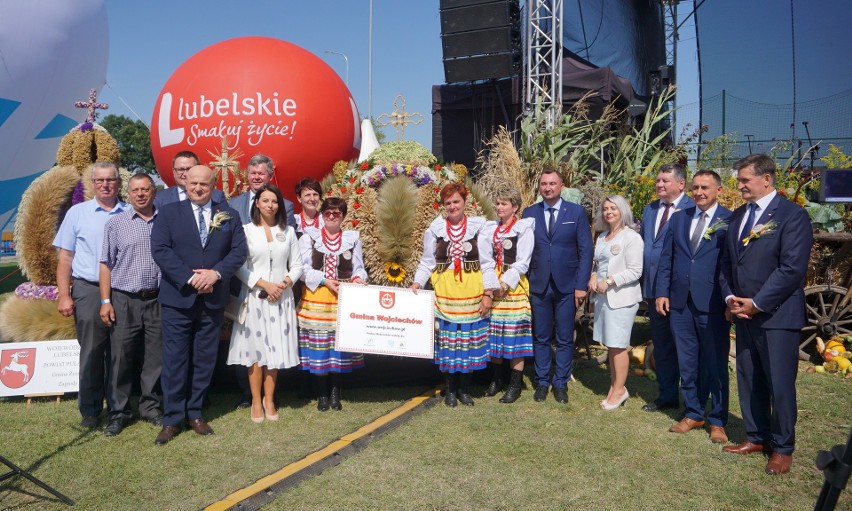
x: 351, y: 245
x: 438, y: 229
x: 524, y: 230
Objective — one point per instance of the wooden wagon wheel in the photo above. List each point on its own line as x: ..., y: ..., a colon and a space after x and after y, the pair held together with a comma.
x: 829, y: 313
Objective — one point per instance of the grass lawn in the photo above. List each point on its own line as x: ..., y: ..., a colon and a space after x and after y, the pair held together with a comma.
x: 523, y: 456
x: 130, y: 472
x: 548, y: 456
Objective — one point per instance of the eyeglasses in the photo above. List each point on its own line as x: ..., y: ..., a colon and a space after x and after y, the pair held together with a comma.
x: 102, y: 180
x: 182, y: 170
x: 332, y: 214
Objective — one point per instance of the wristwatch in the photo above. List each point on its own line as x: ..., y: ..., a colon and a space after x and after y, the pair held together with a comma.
x: 609, y: 282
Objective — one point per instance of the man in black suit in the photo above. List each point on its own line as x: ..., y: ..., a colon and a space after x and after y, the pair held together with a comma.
x: 763, y: 271
x: 198, y: 244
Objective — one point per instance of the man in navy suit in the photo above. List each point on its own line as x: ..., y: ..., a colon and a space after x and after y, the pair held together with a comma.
x: 260, y: 170
x: 763, y: 272
x: 688, y: 292
x: 671, y: 180
x: 559, y: 273
x: 198, y: 244
x: 181, y: 163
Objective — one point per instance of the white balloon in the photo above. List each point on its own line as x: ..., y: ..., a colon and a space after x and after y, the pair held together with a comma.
x: 52, y: 52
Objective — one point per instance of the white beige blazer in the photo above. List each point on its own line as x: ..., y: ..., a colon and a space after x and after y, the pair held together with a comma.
x: 625, y: 268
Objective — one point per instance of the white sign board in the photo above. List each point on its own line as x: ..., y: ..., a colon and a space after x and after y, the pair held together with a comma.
x: 385, y: 321
x: 43, y: 367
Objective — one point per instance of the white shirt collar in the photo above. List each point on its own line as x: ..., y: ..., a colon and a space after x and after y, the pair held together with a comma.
x: 764, y: 201
x: 711, y: 211
x: 556, y: 206
x: 674, y: 202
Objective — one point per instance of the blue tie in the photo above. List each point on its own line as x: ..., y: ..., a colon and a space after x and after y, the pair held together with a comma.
x: 552, y: 225
x: 202, y: 227
x: 749, y: 222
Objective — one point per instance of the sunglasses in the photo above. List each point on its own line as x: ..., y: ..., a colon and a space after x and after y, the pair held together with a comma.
x: 332, y: 214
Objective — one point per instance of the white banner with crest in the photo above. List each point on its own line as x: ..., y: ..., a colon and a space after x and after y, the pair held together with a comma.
x: 385, y: 321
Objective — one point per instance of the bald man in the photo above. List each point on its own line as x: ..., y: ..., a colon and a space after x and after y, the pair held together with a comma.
x: 198, y: 245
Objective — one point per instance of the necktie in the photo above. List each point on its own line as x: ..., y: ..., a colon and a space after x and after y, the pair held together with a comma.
x: 749, y: 222
x: 699, y: 230
x: 551, y: 226
x: 665, y: 218
x: 202, y: 227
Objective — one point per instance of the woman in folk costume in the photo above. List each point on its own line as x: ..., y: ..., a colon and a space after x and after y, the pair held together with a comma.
x: 511, y: 241
x: 329, y: 256
x: 455, y: 257
x: 266, y: 340
x: 309, y: 194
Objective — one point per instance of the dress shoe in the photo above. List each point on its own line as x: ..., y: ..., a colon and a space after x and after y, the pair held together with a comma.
x: 779, y: 464
x: 257, y: 420
x: 323, y: 404
x: 607, y: 406
x: 90, y: 422
x: 718, y: 435
x: 167, y: 434
x: 658, y: 406
x: 334, y: 398
x: 242, y: 404
x: 746, y: 447
x: 115, y: 427
x: 452, y: 383
x: 540, y: 393
x: 560, y: 395
x: 200, y: 426
x: 685, y: 425
x: 157, y: 420
x: 464, y: 389
x: 515, y: 384
x: 269, y: 416
x: 496, y: 380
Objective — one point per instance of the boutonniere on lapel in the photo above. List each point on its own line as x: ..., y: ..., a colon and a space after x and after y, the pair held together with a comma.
x: 759, y: 230
x: 218, y: 219
x: 717, y: 226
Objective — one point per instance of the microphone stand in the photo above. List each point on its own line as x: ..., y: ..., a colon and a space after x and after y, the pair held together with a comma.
x: 813, y: 149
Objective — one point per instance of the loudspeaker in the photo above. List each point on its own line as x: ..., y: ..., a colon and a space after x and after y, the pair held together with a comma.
x: 480, y: 39
x: 477, y: 42
x: 452, y: 4
x: 479, y: 16
x: 482, y: 67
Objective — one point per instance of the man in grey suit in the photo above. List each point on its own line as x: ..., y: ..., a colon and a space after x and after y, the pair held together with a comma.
x: 181, y: 163
x: 260, y: 169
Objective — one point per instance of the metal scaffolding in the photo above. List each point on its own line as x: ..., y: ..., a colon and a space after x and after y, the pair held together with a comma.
x: 544, y: 58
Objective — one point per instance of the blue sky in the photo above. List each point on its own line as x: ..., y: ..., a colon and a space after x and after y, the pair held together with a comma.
x: 745, y: 47
x: 150, y: 40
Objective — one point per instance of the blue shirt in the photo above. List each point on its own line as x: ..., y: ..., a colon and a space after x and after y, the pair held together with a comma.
x: 82, y: 232
x: 126, y: 252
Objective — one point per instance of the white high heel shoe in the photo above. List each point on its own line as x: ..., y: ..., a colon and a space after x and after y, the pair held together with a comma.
x: 621, y: 401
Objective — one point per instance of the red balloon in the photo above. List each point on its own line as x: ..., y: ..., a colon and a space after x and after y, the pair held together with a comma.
x: 265, y: 95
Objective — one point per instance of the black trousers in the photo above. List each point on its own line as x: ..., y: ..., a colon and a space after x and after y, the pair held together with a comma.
x: 135, y: 334
x: 93, y: 337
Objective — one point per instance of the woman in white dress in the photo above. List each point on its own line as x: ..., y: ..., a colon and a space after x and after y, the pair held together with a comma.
x: 268, y: 338
x: 618, y: 263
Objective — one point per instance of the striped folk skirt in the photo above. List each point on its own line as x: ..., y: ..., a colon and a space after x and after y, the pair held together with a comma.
x: 461, y: 344
x: 317, y: 316
x: 510, y: 332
